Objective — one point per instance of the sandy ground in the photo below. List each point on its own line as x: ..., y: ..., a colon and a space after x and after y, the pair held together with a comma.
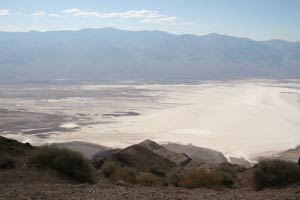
x: 240, y: 118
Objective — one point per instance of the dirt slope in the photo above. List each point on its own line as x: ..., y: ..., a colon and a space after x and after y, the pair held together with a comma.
x: 35, y: 185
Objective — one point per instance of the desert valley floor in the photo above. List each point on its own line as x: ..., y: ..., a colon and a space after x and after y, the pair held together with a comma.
x: 240, y: 118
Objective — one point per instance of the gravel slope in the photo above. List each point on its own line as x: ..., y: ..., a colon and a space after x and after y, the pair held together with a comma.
x: 33, y: 184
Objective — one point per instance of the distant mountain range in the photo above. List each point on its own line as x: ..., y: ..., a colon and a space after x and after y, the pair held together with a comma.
x: 111, y: 54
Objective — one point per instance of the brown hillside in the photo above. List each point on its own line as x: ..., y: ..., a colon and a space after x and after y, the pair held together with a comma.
x: 141, y: 158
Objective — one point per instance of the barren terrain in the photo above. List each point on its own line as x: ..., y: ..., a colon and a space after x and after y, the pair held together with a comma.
x: 31, y: 184
x: 237, y: 118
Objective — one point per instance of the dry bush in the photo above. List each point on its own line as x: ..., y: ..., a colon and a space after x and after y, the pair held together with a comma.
x: 108, y: 168
x: 69, y: 163
x: 275, y: 173
x: 174, y: 177
x: 126, y: 174
x: 228, y: 173
x: 197, y: 178
x: 148, y: 179
x: 157, y: 172
x: 116, y: 172
x: 7, y: 161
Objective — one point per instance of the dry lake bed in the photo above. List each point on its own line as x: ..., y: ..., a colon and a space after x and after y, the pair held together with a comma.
x: 240, y: 118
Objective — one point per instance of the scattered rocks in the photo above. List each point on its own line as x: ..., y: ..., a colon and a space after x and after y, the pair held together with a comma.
x: 35, y: 184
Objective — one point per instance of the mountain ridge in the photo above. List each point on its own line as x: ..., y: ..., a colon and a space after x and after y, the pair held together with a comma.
x: 154, y: 30
x: 113, y: 54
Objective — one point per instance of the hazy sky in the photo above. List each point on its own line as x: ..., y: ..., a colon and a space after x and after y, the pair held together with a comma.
x: 256, y: 19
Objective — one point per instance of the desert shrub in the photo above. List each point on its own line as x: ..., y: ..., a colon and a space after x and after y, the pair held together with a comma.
x: 157, y: 172
x: 227, y: 173
x: 108, y: 168
x: 275, y: 173
x: 7, y: 161
x: 98, y: 163
x: 148, y: 179
x: 196, y: 178
x: 64, y: 161
x: 174, y: 177
x: 126, y: 174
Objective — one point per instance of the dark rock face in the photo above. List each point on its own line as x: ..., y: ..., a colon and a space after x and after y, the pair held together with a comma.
x: 144, y: 160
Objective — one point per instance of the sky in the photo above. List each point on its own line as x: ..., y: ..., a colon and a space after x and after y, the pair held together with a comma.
x: 255, y: 19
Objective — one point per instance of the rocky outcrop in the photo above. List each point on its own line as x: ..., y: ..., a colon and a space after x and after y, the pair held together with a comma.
x: 181, y: 159
x: 139, y: 157
x: 197, y: 153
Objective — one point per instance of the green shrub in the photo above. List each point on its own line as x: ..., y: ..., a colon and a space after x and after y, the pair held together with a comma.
x: 275, y: 173
x: 64, y: 161
x: 7, y: 161
x: 148, y: 179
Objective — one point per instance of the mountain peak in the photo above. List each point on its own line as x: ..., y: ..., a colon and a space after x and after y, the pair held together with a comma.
x: 149, y: 144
